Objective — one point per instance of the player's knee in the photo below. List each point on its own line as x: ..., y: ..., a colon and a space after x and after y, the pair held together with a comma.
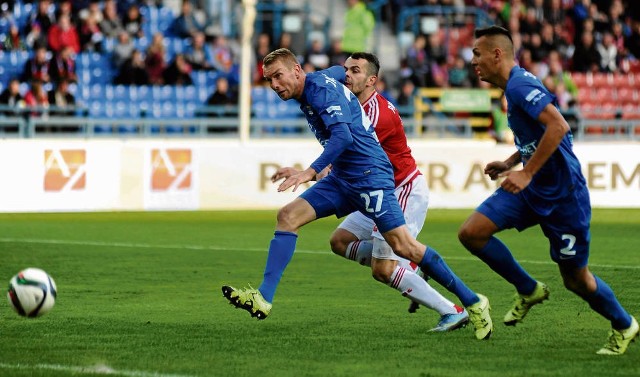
x: 286, y: 220
x: 338, y: 245
x: 381, y: 275
x: 468, y: 238
x: 381, y: 270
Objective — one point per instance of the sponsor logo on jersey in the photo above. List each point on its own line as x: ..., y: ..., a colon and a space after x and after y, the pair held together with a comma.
x: 334, y: 110
x: 64, y: 170
x: 170, y: 169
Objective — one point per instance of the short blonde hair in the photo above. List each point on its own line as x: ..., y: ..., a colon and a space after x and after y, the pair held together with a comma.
x: 281, y: 54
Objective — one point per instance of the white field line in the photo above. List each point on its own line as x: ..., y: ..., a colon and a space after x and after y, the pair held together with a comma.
x: 217, y: 248
x: 97, y: 369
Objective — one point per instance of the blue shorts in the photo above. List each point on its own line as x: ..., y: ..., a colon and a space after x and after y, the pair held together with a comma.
x: 374, y: 198
x: 565, y: 223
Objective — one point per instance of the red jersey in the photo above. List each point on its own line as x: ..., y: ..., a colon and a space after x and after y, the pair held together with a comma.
x: 390, y: 131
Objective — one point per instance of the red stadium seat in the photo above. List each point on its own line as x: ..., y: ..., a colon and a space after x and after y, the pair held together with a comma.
x: 602, y: 80
x: 626, y: 95
x: 580, y: 79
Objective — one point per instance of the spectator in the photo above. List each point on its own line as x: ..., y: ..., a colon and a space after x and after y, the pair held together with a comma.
x: 263, y: 47
x: 123, y: 49
x: 608, y: 53
x: 586, y: 57
x: 111, y: 25
x: 43, y: 17
x: 155, y: 59
x: 63, y: 34
x: 186, y: 24
x: 417, y: 61
x: 62, y: 99
x: 92, y: 10
x: 37, y: 67
x: 133, y: 22
x: 13, y: 41
x: 37, y: 98
x: 439, y: 73
x: 65, y: 8
x: 459, y: 74
x: 222, y: 55
x: 178, y: 72
x: 381, y: 87
x: 133, y: 71
x: 90, y: 35
x: 36, y: 38
x: 358, y: 25
x: 199, y: 54
x: 225, y: 104
x: 223, y: 94
x: 11, y: 98
x: 406, y: 98
x: 63, y: 66
x: 316, y: 55
x: 435, y: 48
x: 337, y: 56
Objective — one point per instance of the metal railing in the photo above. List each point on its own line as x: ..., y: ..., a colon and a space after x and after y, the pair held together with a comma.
x: 223, y: 122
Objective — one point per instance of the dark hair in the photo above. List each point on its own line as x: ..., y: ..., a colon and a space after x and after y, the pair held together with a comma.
x: 374, y: 63
x: 493, y: 30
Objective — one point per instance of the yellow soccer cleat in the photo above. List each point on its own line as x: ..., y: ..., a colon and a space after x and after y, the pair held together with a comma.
x: 522, y: 304
x: 480, y: 317
x: 619, y: 340
x: 248, y: 299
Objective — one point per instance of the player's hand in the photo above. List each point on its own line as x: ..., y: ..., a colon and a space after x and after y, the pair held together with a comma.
x: 297, y: 179
x: 283, y: 173
x: 515, y: 181
x: 494, y: 169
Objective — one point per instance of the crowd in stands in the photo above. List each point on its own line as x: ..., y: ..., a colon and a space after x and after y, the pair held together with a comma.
x: 554, y: 39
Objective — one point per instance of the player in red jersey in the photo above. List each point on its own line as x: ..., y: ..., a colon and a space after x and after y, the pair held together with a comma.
x: 353, y: 239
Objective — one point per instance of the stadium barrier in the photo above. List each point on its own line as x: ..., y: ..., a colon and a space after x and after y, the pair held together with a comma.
x: 135, y: 174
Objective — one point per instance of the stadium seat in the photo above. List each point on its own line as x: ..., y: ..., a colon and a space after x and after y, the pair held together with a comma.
x: 580, y: 79
x: 626, y: 95
x: 602, y: 80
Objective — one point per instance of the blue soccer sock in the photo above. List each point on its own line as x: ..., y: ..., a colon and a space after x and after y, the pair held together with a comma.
x: 281, y: 251
x: 498, y: 257
x: 604, y: 302
x: 433, y: 265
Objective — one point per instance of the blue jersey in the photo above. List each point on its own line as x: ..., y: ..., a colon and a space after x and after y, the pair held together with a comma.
x: 327, y: 104
x: 526, y: 98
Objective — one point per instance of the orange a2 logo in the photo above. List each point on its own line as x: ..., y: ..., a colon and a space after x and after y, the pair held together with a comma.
x: 64, y: 169
x: 170, y: 169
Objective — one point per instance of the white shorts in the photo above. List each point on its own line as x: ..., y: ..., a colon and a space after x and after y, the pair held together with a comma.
x: 414, y: 201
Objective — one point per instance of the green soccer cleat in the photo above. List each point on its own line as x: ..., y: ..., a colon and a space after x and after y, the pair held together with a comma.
x: 248, y: 299
x: 522, y: 304
x: 479, y: 315
x: 619, y: 340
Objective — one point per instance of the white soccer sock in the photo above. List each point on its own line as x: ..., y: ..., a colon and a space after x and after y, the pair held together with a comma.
x: 360, y: 251
x: 417, y: 289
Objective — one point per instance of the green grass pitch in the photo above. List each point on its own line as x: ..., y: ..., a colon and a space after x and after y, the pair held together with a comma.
x: 139, y: 296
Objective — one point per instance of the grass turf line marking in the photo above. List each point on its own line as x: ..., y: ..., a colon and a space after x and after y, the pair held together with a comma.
x: 215, y: 248
x: 97, y: 369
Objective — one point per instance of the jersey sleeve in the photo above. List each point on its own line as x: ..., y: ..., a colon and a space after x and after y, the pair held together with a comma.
x: 337, y: 72
x: 331, y: 105
x: 530, y: 95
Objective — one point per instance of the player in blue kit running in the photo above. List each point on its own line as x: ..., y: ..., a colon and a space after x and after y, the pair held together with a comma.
x: 549, y: 191
x: 361, y: 179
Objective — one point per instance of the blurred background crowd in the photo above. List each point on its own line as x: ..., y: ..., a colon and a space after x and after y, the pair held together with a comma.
x: 61, y: 53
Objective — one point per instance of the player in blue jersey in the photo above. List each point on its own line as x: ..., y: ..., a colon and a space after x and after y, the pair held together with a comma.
x: 361, y: 179
x: 549, y: 191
